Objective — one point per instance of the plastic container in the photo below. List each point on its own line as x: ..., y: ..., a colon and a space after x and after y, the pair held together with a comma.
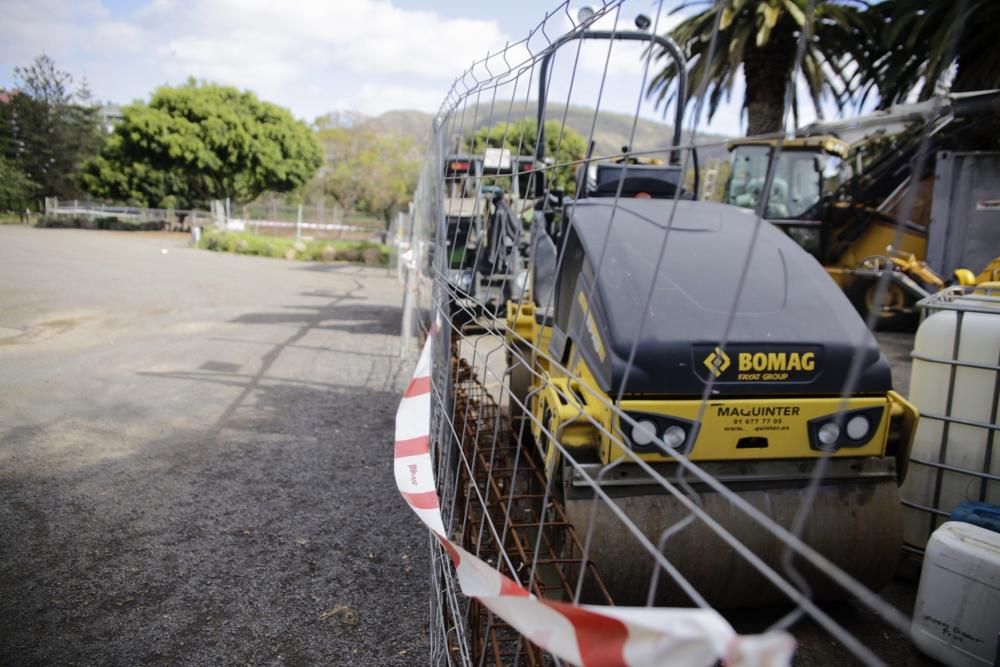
x: 961, y: 446
x: 957, y: 616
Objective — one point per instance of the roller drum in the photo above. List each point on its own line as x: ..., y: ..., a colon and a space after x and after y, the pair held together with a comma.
x: 855, y: 524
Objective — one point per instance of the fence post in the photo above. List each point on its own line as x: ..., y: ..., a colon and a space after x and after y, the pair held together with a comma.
x: 298, y: 224
x: 409, y: 287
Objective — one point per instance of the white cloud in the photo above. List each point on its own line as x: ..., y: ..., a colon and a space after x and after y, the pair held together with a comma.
x: 373, y: 98
x: 312, y: 55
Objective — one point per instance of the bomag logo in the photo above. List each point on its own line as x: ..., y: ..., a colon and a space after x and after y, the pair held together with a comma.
x: 760, y: 366
x: 717, y: 361
x: 777, y: 361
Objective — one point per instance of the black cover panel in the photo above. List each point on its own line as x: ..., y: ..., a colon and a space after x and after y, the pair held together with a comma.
x: 793, y: 331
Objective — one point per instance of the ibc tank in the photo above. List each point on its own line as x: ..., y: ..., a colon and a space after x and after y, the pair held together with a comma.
x: 965, y: 444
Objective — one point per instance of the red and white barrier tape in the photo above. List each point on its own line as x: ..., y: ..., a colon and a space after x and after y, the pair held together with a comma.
x: 585, y: 635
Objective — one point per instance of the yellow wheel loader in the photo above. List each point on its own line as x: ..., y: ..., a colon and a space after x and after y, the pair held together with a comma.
x: 839, y: 189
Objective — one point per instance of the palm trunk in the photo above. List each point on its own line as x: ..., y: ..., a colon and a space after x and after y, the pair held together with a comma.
x: 766, y: 71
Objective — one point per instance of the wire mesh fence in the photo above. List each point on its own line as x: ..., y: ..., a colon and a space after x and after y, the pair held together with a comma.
x: 648, y: 412
x: 315, y: 221
x: 169, y: 219
x: 270, y: 218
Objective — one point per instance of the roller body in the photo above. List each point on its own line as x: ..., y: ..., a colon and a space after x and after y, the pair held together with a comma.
x: 796, y: 384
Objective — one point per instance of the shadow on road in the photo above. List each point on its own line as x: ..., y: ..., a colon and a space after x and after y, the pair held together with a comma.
x: 354, y: 318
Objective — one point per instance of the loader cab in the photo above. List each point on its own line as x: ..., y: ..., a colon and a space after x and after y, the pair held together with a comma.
x: 806, y: 177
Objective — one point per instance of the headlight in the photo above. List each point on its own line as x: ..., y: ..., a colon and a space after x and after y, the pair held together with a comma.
x: 642, y: 437
x: 854, y: 428
x: 828, y: 434
x: 643, y: 432
x: 858, y: 427
x: 674, y: 436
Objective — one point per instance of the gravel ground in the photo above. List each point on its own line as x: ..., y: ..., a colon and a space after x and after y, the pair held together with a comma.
x: 195, y: 458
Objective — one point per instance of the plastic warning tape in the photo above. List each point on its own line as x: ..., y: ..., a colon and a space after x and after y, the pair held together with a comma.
x: 585, y: 635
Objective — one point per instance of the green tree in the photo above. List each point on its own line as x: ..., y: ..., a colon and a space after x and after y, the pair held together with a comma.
x: 562, y: 144
x: 201, y: 141
x: 48, y: 130
x: 17, y: 191
x: 760, y: 38
x: 928, y: 48
x: 368, y: 168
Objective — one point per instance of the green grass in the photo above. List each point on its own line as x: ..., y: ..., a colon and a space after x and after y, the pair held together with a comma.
x: 244, y: 243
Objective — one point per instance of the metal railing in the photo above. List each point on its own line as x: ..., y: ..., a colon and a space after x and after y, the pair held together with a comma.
x: 174, y: 219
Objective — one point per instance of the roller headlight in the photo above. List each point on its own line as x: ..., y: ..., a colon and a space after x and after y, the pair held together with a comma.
x: 858, y: 427
x: 851, y: 429
x: 643, y: 432
x: 828, y: 434
x: 644, y: 435
x: 674, y: 437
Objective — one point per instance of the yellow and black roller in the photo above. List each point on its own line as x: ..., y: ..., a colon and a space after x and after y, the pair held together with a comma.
x: 755, y: 399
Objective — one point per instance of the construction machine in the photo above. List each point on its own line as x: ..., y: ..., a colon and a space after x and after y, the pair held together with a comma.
x: 623, y: 350
x: 485, y: 197
x: 839, y: 189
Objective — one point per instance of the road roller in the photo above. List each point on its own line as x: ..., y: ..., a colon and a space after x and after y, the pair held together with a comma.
x: 657, y: 327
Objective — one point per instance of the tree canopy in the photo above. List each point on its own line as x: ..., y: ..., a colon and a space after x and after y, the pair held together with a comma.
x: 198, y: 142
x: 562, y: 144
x: 915, y: 46
x: 369, y: 169
x: 759, y: 38
x: 893, y: 49
x: 47, y: 131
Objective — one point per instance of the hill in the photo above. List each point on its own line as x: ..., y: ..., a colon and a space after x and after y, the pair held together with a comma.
x: 610, y: 134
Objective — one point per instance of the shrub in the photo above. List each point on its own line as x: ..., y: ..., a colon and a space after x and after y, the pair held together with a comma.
x: 348, y: 255
x: 106, y: 223
x: 244, y: 243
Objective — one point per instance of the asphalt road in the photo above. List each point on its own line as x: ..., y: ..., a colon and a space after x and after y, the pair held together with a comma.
x: 195, y: 458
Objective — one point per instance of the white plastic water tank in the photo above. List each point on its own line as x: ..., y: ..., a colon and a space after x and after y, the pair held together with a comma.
x: 957, y: 616
x: 974, y: 399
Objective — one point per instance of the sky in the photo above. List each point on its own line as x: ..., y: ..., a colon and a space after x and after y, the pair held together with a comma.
x: 318, y: 56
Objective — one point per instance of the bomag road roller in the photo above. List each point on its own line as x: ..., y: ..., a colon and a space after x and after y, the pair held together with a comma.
x: 617, y: 349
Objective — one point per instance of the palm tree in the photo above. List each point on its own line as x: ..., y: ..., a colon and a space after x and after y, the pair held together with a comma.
x: 929, y: 46
x: 760, y: 36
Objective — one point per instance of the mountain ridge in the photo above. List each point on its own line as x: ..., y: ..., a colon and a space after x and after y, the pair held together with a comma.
x: 611, y: 132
